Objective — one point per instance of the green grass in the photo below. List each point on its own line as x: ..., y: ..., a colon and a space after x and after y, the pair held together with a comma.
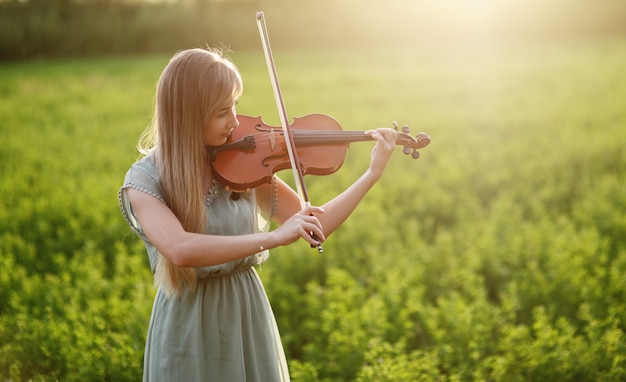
x: 499, y: 254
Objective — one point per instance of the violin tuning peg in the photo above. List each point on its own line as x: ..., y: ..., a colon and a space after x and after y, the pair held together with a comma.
x: 406, y: 150
x: 395, y: 125
x: 406, y: 129
x: 415, y: 154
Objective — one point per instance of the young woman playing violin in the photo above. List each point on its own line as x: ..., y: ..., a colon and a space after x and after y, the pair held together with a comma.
x: 211, y: 319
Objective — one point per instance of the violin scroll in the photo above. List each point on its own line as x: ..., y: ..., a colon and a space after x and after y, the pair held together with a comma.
x: 411, y: 145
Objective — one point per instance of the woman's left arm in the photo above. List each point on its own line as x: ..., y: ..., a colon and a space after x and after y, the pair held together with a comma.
x: 337, y: 210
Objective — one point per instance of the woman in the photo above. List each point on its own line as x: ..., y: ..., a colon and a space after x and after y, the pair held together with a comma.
x: 211, y: 319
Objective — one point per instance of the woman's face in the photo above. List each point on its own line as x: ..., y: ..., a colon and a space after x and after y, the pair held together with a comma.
x: 221, y: 124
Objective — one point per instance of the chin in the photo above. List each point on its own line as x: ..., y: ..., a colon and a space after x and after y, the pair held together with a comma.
x: 216, y: 142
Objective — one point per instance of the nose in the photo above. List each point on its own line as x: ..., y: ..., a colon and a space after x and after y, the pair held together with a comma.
x: 234, y: 122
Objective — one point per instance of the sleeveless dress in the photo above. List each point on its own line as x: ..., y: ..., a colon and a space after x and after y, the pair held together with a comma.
x: 225, y: 330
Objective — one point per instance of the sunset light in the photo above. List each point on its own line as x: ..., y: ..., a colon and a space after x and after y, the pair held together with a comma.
x: 152, y: 230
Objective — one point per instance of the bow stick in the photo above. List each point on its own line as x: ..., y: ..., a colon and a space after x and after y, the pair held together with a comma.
x: 284, y: 121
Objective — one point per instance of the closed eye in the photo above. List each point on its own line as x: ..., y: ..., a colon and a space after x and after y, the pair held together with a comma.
x: 224, y: 111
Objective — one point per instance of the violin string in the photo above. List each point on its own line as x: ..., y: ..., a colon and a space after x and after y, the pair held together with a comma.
x: 315, y: 136
x: 329, y: 137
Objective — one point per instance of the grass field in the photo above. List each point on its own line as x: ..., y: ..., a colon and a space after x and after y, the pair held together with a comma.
x: 500, y: 254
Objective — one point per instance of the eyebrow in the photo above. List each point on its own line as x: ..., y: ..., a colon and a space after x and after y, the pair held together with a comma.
x: 228, y: 106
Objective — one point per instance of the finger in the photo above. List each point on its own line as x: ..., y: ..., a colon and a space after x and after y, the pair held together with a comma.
x: 309, y: 239
x: 314, y: 235
x: 311, y: 224
x: 390, y: 135
x: 312, y: 210
x: 314, y: 227
x: 374, y: 134
x: 383, y: 134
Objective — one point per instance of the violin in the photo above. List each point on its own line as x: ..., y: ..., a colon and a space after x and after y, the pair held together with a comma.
x: 255, y: 150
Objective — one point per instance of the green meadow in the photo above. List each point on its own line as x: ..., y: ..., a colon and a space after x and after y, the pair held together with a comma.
x: 499, y: 254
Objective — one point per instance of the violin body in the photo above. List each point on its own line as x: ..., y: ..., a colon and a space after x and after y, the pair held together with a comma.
x: 255, y: 150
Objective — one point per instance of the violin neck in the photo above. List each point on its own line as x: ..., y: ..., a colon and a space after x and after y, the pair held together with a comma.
x: 329, y: 137
x: 317, y: 137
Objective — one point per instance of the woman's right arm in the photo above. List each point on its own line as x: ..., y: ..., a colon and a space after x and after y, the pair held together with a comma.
x: 188, y: 249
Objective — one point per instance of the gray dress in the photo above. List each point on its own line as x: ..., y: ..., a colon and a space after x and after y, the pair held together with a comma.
x: 224, y: 330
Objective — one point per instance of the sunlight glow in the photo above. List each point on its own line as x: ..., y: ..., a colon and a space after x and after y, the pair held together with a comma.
x: 479, y: 20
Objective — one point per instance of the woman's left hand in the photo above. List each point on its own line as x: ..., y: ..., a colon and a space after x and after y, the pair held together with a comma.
x: 381, y: 153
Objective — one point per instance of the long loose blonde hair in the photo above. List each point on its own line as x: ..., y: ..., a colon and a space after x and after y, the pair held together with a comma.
x: 191, y: 87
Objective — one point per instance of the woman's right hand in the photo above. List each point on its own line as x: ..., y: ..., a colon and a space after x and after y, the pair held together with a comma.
x: 303, y: 224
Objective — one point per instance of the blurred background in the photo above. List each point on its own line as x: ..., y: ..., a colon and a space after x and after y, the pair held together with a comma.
x: 53, y: 28
x: 500, y: 255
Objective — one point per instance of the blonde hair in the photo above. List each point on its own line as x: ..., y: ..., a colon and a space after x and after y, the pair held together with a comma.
x: 191, y: 87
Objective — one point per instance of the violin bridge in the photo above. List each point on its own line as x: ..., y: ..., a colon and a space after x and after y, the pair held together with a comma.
x: 272, y: 139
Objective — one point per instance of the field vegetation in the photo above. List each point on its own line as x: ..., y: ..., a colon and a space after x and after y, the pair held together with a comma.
x: 498, y: 255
